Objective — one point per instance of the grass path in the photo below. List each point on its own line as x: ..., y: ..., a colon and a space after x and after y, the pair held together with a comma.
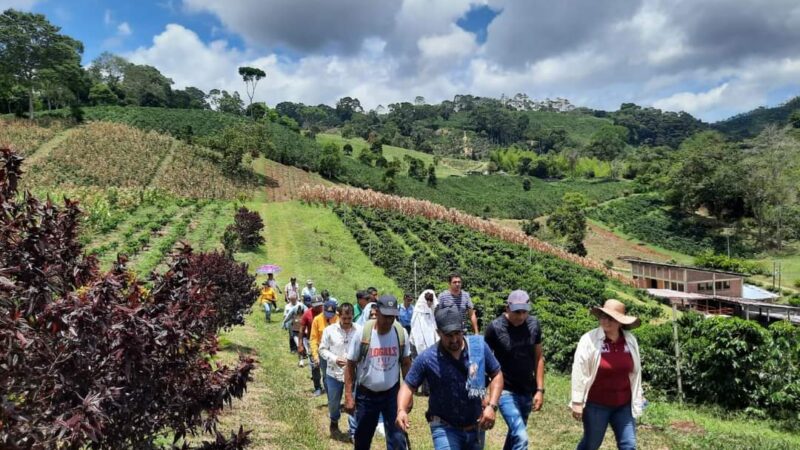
x: 44, y: 151
x: 163, y: 164
x: 310, y: 242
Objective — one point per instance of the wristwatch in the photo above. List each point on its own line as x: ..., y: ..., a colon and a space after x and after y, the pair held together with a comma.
x: 540, y: 390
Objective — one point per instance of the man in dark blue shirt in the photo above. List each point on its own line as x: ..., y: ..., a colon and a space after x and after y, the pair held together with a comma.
x: 456, y: 420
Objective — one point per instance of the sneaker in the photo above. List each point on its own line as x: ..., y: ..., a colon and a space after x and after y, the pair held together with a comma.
x: 301, y: 363
x: 317, y: 393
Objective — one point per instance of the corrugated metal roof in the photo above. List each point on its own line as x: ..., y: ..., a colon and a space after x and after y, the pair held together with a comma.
x: 751, y: 292
x: 633, y: 259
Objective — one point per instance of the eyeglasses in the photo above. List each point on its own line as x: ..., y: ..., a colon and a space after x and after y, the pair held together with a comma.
x: 520, y: 312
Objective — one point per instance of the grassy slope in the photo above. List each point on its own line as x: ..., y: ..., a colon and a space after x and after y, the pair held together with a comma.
x: 446, y: 167
x: 580, y: 127
x: 310, y: 242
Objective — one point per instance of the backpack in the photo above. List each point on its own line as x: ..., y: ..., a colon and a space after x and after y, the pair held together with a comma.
x: 366, y: 337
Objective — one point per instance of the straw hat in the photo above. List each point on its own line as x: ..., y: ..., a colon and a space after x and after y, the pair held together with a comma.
x: 616, y: 309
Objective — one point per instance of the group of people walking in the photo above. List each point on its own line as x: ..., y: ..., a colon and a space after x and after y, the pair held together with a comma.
x: 376, y: 354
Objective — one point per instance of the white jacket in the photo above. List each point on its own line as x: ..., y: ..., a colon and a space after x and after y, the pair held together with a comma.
x: 587, y: 361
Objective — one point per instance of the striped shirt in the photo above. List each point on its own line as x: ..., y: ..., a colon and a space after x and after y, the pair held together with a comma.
x: 464, y: 304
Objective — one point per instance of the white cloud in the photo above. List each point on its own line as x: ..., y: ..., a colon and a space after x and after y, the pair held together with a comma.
x: 694, y: 102
x: 124, y: 29
x: 180, y: 54
x: 651, y: 52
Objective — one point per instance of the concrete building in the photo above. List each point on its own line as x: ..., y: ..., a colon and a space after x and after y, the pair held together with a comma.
x: 657, y: 275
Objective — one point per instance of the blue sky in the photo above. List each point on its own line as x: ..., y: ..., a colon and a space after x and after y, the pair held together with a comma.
x: 96, y: 23
x: 712, y: 59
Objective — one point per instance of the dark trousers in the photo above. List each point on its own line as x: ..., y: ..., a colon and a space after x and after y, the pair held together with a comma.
x: 369, y: 406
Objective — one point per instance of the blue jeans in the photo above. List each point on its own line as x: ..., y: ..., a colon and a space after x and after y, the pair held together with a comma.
x: 515, y: 409
x: 335, y: 390
x: 368, y: 407
x: 323, y: 370
x: 448, y: 438
x: 268, y: 312
x: 597, y: 418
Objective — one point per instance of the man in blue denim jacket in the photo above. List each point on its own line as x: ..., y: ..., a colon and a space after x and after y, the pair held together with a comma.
x: 457, y: 421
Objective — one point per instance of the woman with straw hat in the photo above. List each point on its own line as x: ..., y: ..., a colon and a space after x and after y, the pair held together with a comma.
x: 607, y: 378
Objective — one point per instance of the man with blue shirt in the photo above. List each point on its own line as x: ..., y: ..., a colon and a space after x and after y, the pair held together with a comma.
x: 458, y: 419
x: 406, y: 312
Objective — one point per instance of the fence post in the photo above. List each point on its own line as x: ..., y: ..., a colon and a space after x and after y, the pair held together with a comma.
x: 415, y: 279
x: 677, y: 352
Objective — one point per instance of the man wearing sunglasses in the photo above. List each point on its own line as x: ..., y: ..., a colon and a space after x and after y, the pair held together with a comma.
x: 516, y: 340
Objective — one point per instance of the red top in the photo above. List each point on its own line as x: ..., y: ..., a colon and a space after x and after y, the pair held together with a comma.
x: 306, y: 320
x: 612, y: 385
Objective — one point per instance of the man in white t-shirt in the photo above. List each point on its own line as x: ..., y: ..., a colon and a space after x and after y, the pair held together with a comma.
x: 375, y: 366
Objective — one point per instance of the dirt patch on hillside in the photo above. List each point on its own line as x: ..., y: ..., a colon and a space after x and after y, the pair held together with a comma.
x: 604, y: 245
x: 687, y: 427
x: 285, y: 181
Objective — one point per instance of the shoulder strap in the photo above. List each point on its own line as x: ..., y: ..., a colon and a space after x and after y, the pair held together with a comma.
x: 401, y: 336
x: 366, y: 336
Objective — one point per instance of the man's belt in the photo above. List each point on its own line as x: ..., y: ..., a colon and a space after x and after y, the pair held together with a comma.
x: 362, y: 388
x: 437, y: 419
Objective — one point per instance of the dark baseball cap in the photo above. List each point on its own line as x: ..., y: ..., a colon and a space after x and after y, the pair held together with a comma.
x: 518, y: 301
x: 318, y: 301
x: 330, y: 309
x: 387, y: 305
x: 448, y: 319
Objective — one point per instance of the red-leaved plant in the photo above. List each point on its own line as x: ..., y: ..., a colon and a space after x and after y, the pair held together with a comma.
x: 248, y: 225
x: 91, y: 360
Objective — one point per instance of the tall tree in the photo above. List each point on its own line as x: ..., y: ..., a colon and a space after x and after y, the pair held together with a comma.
x: 108, y: 68
x: 771, y: 187
x: 346, y: 107
x: 707, y: 172
x: 569, y: 222
x: 251, y: 77
x: 32, y: 50
x: 145, y: 86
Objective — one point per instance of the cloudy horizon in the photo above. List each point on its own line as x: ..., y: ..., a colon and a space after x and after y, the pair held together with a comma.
x: 713, y: 59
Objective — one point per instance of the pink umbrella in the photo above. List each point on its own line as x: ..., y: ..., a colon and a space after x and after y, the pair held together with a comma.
x: 268, y: 268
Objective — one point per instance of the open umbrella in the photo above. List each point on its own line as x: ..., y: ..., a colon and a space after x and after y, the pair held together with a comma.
x: 268, y: 268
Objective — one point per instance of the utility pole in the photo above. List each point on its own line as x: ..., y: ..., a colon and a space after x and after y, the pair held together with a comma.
x: 773, y: 275
x: 677, y: 351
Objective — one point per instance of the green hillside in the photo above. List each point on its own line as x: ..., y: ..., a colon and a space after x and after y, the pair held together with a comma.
x: 447, y: 166
x: 751, y: 123
x: 176, y: 122
x: 578, y: 126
